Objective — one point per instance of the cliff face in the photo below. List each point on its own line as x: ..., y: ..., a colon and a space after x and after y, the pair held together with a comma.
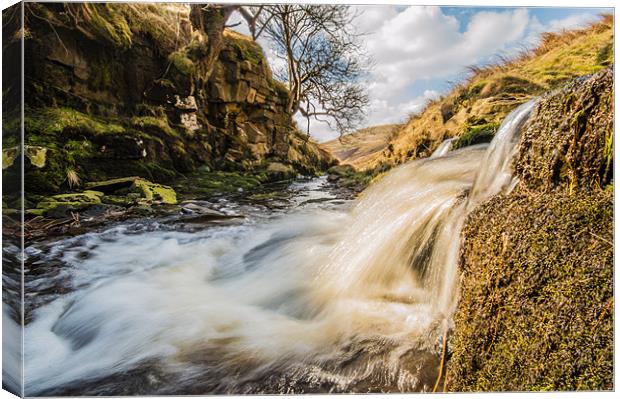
x: 536, y: 307
x: 120, y: 90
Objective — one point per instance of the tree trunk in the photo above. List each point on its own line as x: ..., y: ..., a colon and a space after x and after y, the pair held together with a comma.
x: 211, y: 19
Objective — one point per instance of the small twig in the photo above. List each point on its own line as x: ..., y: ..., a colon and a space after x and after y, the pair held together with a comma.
x: 603, y: 312
x: 602, y: 239
x: 443, y: 358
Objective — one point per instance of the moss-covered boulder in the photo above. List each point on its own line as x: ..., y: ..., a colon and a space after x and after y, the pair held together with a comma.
x: 279, y: 171
x: 570, y: 139
x: 131, y: 189
x: 155, y: 192
x: 62, y: 204
x: 477, y: 134
x: 536, y: 298
x: 112, y: 185
x: 536, y: 308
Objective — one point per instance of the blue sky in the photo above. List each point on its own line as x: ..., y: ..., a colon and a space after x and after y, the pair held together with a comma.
x: 419, y: 50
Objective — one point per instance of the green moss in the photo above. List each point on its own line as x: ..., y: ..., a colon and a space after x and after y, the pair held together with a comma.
x: 156, y: 22
x: 61, y: 204
x: 182, y: 62
x: 78, y: 149
x: 536, y: 307
x: 108, y: 22
x: 569, y: 141
x: 475, y: 135
x: 537, y: 296
x: 154, y: 124
x: 54, y: 121
x: 246, y: 48
x: 205, y: 184
x: 156, y: 192
x: 88, y: 196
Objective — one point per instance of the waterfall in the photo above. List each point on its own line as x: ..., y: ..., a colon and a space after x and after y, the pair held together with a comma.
x: 313, y: 301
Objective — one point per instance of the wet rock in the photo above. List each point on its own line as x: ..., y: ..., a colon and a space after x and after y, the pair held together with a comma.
x: 192, y: 208
x: 112, y: 185
x: 156, y: 192
x: 280, y: 171
x: 61, y: 205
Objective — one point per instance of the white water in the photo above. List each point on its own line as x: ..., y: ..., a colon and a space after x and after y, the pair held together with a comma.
x: 328, y: 299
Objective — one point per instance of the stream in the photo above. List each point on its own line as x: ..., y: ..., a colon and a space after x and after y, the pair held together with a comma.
x: 303, y: 291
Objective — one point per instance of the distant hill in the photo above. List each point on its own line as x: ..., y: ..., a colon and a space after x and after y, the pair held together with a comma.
x: 362, y: 147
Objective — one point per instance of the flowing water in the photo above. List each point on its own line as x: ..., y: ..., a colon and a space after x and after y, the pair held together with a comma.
x: 320, y: 295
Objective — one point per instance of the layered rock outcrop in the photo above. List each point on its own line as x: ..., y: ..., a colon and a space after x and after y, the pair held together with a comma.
x: 115, y: 90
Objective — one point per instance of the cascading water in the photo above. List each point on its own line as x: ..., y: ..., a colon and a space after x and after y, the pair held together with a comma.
x: 312, y: 301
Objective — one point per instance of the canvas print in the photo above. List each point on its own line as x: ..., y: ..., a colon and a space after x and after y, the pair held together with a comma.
x: 204, y: 198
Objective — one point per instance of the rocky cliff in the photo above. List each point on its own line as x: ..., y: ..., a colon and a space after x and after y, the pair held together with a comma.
x: 536, y: 307
x: 116, y: 90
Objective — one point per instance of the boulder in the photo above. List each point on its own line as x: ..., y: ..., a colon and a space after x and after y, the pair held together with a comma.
x: 279, y: 171
x: 112, y: 185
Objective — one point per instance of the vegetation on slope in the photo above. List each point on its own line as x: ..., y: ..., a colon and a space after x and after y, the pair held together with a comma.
x: 536, y: 307
x: 493, y: 91
x: 361, y: 147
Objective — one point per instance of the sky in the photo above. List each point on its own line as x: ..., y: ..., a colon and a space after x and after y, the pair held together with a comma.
x: 418, y: 52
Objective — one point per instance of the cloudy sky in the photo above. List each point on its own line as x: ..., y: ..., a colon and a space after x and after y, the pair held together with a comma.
x: 418, y: 50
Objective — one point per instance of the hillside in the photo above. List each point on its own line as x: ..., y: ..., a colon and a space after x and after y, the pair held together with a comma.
x: 474, y: 109
x: 361, y: 147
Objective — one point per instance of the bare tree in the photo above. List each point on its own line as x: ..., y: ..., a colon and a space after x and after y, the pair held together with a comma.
x: 324, y: 62
x: 317, y: 42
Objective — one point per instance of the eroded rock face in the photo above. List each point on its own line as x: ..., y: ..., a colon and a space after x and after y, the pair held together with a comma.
x: 536, y: 301
x: 167, y: 118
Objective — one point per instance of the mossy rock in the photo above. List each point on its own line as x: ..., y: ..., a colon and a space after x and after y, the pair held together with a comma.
x: 156, y: 125
x: 536, y: 298
x: 56, y: 121
x: 569, y: 137
x: 279, y: 171
x: 155, y: 192
x: 182, y: 62
x: 477, y: 134
x: 130, y: 186
x: 60, y: 205
x: 88, y: 196
x: 112, y: 185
